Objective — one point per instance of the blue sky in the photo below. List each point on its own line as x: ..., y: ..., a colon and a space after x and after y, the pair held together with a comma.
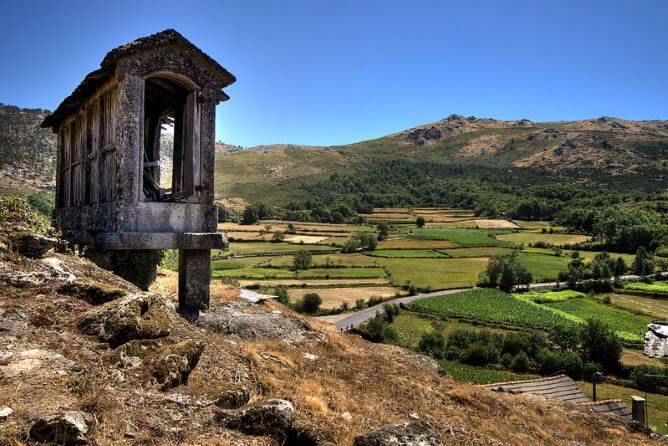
x: 335, y: 72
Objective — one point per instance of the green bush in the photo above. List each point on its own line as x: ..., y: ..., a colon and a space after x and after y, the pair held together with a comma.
x: 652, y: 384
x: 432, y: 343
x: 520, y: 363
x: 281, y: 292
x: 311, y: 302
x: 480, y: 354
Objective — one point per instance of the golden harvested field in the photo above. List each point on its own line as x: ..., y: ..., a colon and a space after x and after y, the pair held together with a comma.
x: 494, y: 224
x: 304, y: 238
x: 400, y: 243
x: 642, y: 304
x: 313, y: 282
x: 247, y: 235
x: 334, y: 297
x: 526, y: 237
x: 532, y: 224
x: 634, y: 357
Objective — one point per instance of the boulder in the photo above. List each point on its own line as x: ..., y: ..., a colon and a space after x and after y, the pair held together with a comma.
x: 175, y: 363
x: 5, y: 412
x: 136, y: 316
x: 233, y: 397
x: 416, y: 433
x: 34, y: 245
x: 92, y: 292
x: 67, y: 428
x: 269, y: 417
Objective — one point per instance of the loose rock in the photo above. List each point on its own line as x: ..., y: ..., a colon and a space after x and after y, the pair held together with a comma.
x: 233, y: 398
x: 66, y: 428
x: 174, y: 365
x: 5, y: 412
x: 417, y: 433
x: 272, y: 416
x: 34, y: 245
x: 136, y: 316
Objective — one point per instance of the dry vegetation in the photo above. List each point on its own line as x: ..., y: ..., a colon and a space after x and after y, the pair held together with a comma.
x: 350, y: 388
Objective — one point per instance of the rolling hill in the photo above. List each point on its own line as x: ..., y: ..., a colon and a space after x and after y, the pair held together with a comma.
x: 603, y: 151
x: 599, y: 152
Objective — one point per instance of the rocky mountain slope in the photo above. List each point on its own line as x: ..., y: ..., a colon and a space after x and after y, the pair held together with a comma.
x: 598, y: 151
x: 86, y: 358
x: 27, y: 152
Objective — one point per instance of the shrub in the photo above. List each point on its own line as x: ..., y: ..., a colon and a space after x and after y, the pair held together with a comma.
x: 419, y: 222
x: 281, y: 291
x: 477, y: 354
x: 302, y: 260
x: 377, y: 330
x: 551, y: 361
x: 600, y: 344
x: 520, y: 363
x: 432, y: 343
x: 311, y: 303
x: 277, y: 237
x: 646, y: 383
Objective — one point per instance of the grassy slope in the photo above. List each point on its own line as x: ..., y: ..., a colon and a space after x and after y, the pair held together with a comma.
x: 275, y: 173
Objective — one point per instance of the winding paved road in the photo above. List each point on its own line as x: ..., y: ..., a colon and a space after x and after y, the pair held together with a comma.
x: 347, y: 321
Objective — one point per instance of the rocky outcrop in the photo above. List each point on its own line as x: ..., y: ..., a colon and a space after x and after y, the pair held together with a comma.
x: 136, y: 316
x: 67, y: 428
x: 34, y: 245
x: 233, y: 397
x: 240, y: 321
x: 174, y: 365
x: 416, y: 433
x: 92, y: 292
x: 268, y: 417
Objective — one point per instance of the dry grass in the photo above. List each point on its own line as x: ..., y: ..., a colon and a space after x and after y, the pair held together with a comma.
x: 312, y: 282
x: 334, y: 297
x: 374, y: 384
x: 305, y: 238
x: 494, y: 224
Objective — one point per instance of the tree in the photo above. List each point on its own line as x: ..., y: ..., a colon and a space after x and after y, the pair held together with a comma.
x: 520, y: 363
x: 419, y: 222
x: 600, y: 344
x: 620, y: 267
x: 302, y: 260
x: 281, y: 292
x: 432, y: 343
x: 643, y: 264
x: 383, y: 231
x: 311, y: 303
x: 250, y: 216
x: 223, y: 215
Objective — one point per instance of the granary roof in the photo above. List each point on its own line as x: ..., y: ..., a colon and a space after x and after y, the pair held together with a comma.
x: 560, y: 387
x: 96, y: 78
x: 660, y: 328
x: 563, y: 388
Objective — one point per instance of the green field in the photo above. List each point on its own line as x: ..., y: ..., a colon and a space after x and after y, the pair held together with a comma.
x: 435, y: 273
x: 406, y: 253
x: 458, y: 236
x: 543, y: 267
x: 480, y: 375
x: 314, y: 273
x: 485, y: 251
x: 259, y: 248
x: 630, y: 327
x: 493, y: 306
x: 658, y: 287
x: 653, y: 307
x: 526, y: 237
x: 543, y: 297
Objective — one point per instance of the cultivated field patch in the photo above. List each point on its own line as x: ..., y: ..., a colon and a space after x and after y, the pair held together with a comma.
x: 413, y: 243
x: 458, y: 236
x: 630, y: 327
x: 494, y: 224
x: 492, y: 305
x: 543, y: 267
x: 334, y: 297
x: 306, y: 239
x: 653, y: 307
x: 407, y: 253
x: 435, y: 273
x: 313, y: 282
x: 526, y: 237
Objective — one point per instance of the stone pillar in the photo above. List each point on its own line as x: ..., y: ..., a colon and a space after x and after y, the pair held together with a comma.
x: 194, y: 281
x: 638, y: 409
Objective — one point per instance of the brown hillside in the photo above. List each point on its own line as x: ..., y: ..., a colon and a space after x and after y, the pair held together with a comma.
x: 61, y: 349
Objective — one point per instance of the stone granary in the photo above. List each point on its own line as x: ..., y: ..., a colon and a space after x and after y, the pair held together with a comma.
x: 135, y: 160
x: 656, y: 339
